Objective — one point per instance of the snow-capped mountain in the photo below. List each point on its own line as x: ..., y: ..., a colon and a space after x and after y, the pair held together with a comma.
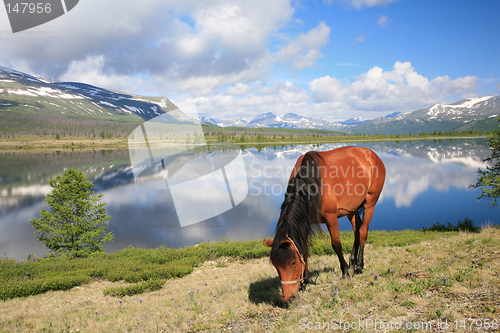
x: 23, y: 91
x: 270, y: 120
x: 473, y: 113
x: 239, y: 122
x: 354, y: 121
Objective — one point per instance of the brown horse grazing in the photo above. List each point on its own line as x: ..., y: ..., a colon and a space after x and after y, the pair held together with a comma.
x: 324, y: 186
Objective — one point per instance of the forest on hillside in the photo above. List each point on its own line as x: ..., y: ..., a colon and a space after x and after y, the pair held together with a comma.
x: 13, y: 125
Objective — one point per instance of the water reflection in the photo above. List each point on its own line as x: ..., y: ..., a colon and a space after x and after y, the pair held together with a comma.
x: 426, y: 182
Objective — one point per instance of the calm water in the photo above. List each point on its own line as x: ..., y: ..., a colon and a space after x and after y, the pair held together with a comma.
x: 426, y: 182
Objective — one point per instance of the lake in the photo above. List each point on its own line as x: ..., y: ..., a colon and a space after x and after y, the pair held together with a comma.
x: 427, y: 182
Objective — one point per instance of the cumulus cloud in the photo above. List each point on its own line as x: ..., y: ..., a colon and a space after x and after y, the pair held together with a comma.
x: 250, y: 100
x: 399, y: 89
x: 375, y: 91
x: 183, y: 44
x: 91, y: 71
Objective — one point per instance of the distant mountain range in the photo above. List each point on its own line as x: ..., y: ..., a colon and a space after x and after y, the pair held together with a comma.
x: 470, y: 114
x: 287, y: 120
x: 27, y: 95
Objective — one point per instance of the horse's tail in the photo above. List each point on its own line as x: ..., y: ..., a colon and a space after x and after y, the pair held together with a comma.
x: 308, y: 184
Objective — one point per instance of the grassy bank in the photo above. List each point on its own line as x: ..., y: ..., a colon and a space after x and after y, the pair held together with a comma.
x: 410, y: 277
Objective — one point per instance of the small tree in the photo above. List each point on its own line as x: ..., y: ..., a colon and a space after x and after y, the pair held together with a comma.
x: 76, y: 223
x: 489, y: 180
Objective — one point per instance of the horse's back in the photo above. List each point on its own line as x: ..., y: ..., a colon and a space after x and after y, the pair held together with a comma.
x: 349, y: 154
x: 351, y: 176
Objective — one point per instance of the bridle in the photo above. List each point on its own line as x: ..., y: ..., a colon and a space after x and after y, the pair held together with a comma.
x: 303, y: 265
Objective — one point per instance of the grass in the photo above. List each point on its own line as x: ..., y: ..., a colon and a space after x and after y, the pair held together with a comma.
x: 410, y: 277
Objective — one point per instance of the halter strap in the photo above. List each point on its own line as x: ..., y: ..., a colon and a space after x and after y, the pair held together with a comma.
x: 301, y: 260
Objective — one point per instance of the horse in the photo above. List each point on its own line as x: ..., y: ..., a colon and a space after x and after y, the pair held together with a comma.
x: 324, y: 186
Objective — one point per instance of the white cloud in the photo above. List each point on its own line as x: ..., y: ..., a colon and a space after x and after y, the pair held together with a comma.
x: 376, y: 91
x: 91, y: 71
x: 400, y: 89
x: 181, y: 45
x: 327, y: 89
x: 383, y: 21
x: 250, y: 100
x: 361, y: 38
x: 304, y: 50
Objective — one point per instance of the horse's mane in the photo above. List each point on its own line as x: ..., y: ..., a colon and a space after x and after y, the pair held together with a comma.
x: 299, y: 209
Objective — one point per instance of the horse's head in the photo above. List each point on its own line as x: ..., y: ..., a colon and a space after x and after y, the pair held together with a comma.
x: 290, y: 265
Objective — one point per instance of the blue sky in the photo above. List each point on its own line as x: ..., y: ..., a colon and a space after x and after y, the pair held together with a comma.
x: 331, y: 59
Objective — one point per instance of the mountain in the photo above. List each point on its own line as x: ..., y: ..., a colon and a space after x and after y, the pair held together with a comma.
x: 287, y: 120
x: 354, y: 121
x: 27, y: 94
x: 469, y: 114
x: 393, y: 115
x: 225, y: 122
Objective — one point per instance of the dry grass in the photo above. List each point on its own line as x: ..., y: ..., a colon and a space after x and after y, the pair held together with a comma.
x: 243, y: 295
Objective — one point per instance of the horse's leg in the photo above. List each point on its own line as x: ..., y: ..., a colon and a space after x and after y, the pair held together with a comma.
x: 356, y: 225
x: 363, y: 233
x: 333, y: 228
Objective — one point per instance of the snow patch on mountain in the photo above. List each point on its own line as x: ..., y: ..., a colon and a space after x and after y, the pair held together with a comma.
x: 457, y: 109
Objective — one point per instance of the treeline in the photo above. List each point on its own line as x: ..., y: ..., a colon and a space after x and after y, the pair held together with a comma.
x: 263, y: 135
x: 455, y: 133
x: 14, y: 125
x: 423, y: 134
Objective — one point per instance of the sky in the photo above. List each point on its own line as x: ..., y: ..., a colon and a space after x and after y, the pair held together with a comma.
x: 329, y: 59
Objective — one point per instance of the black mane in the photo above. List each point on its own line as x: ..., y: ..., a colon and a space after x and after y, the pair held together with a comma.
x: 300, y: 208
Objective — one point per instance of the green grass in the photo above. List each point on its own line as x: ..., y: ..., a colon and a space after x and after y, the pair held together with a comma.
x: 147, y: 269
x: 410, y: 277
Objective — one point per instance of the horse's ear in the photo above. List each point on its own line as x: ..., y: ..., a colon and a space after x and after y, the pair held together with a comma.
x: 268, y: 242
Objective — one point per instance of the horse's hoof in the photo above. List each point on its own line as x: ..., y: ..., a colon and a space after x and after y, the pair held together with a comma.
x: 358, y: 271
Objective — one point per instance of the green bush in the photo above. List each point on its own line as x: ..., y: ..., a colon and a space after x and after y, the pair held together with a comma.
x: 465, y: 224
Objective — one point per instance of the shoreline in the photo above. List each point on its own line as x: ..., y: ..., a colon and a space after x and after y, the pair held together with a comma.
x: 30, y: 144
